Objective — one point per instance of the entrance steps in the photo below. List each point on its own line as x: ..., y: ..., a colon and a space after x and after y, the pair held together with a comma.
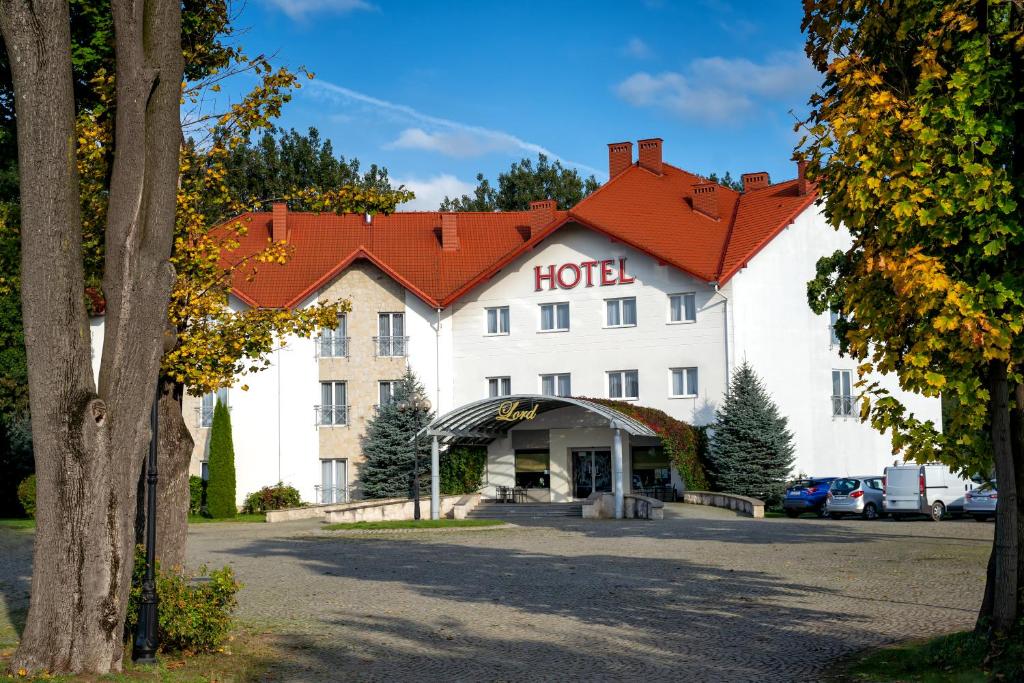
x: 513, y: 511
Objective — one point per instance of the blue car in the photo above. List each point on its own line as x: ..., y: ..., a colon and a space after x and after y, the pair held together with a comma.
x: 807, y: 495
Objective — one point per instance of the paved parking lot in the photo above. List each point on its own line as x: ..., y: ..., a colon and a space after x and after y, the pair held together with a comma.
x: 703, y: 595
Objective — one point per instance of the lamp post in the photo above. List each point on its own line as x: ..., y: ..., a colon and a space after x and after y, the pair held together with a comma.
x: 147, y: 637
x: 415, y: 404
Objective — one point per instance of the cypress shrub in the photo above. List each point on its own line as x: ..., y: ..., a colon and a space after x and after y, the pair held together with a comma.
x: 220, y: 489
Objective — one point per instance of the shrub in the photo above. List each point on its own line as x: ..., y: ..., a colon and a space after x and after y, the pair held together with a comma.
x: 462, y: 469
x: 27, y: 495
x: 277, y: 497
x: 685, y: 445
x: 191, y: 618
x: 196, y: 495
x: 220, y: 489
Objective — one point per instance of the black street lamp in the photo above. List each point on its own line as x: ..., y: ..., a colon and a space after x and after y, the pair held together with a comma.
x: 147, y: 637
x: 415, y: 404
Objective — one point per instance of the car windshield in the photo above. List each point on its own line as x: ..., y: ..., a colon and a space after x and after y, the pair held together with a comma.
x: 845, y: 486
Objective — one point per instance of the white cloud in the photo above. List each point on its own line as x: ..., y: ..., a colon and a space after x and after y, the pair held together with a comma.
x: 431, y: 191
x: 456, y: 143
x: 480, y: 137
x: 637, y: 49
x: 300, y: 10
x: 723, y: 90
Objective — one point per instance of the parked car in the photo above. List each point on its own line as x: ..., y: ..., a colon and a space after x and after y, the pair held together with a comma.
x: 981, y: 502
x: 855, y: 496
x: 806, y: 495
x: 931, y: 490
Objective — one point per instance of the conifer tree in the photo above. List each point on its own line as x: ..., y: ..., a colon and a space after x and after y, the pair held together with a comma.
x: 751, y: 449
x: 388, y: 444
x: 220, y: 490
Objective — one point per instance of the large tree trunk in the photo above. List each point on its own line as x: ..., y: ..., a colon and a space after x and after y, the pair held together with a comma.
x: 173, y: 457
x: 89, y: 445
x: 1017, y: 444
x: 1004, y: 578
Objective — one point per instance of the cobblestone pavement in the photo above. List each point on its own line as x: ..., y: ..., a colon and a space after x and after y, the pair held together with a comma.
x: 703, y: 595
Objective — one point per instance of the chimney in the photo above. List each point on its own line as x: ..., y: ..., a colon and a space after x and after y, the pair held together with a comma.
x: 705, y: 199
x: 449, y: 232
x: 804, y: 186
x: 650, y: 154
x: 620, y: 157
x: 279, y: 231
x: 755, y: 181
x: 541, y: 213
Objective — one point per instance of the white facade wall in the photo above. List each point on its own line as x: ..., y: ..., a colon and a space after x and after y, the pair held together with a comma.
x: 790, y: 348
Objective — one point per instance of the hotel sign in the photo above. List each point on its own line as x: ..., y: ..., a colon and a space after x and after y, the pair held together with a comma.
x: 509, y: 411
x: 588, y: 273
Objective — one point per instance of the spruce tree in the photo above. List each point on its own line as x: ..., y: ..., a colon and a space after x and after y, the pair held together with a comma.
x: 220, y: 489
x: 751, y: 450
x: 388, y: 445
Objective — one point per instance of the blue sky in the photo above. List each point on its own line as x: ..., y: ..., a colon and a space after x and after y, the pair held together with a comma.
x: 437, y: 91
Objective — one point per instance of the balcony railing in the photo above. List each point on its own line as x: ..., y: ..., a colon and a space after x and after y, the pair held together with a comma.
x: 391, y: 346
x: 331, y: 416
x: 842, y: 406
x: 325, y: 495
x: 333, y: 347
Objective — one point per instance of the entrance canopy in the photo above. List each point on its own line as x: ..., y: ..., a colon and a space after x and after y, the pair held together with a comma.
x: 485, y: 420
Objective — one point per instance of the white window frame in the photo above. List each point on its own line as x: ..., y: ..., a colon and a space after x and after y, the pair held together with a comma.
x: 682, y: 296
x: 499, y: 386
x: 336, y: 471
x: 556, y: 379
x: 502, y: 323
x: 392, y: 383
x: 555, y: 306
x: 833, y: 317
x: 843, y: 402
x: 688, y: 391
x: 333, y: 342
x: 391, y: 345
x: 618, y: 303
x: 623, y: 379
x: 329, y: 414
x: 206, y: 413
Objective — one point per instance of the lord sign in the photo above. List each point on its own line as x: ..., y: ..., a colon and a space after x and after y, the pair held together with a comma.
x: 509, y: 411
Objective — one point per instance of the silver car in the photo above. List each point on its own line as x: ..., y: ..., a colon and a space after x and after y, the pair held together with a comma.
x: 855, y: 496
x: 981, y: 502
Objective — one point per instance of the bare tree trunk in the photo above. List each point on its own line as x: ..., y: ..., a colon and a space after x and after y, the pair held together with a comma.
x: 1017, y: 443
x: 1005, y: 579
x: 89, y: 444
x: 174, y: 454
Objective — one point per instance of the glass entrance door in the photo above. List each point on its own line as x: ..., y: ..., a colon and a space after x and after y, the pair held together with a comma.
x: 591, y: 471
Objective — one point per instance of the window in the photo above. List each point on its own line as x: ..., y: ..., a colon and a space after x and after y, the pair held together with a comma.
x: 499, y: 386
x: 497, y: 320
x: 554, y: 317
x: 204, y: 471
x: 623, y: 384
x: 391, y: 339
x: 651, y: 468
x: 682, y: 308
x: 555, y: 385
x: 833, y: 319
x: 334, y: 342
x: 620, y: 312
x: 333, y: 482
x: 842, y: 398
x: 533, y: 469
x: 209, y: 402
x: 684, y: 382
x: 387, y: 390
x: 333, y: 408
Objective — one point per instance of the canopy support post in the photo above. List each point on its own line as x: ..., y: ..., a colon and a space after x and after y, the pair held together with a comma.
x: 435, y: 479
x: 620, y: 500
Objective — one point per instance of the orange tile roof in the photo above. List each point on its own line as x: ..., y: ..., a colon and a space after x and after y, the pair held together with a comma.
x: 647, y: 211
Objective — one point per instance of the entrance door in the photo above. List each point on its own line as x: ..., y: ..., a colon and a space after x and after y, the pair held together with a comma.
x: 591, y: 471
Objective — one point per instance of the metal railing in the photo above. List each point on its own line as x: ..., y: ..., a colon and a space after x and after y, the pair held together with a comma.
x: 332, y: 347
x: 391, y: 346
x: 325, y: 495
x: 331, y: 416
x: 842, y: 406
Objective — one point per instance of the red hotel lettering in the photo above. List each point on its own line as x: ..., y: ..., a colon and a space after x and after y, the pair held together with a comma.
x: 607, y: 274
x: 538, y: 276
x: 623, y: 278
x: 589, y: 265
x: 576, y: 279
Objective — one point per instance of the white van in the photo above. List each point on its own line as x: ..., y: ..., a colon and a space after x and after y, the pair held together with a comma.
x: 931, y: 490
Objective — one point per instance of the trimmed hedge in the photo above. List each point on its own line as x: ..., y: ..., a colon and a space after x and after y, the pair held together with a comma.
x: 220, y: 489
x: 462, y: 469
x: 685, y: 445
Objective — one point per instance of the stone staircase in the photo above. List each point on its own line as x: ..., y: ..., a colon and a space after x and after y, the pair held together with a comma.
x: 514, y: 511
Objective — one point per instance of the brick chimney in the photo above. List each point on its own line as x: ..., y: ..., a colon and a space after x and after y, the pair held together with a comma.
x: 449, y: 232
x: 620, y: 157
x: 279, y: 231
x: 804, y: 185
x: 705, y: 199
x: 755, y: 181
x: 541, y: 213
x: 650, y: 154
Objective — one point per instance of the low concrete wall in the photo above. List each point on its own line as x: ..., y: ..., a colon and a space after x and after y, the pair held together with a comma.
x: 752, y: 507
x: 388, y: 509
x: 602, y: 506
x: 465, y: 505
